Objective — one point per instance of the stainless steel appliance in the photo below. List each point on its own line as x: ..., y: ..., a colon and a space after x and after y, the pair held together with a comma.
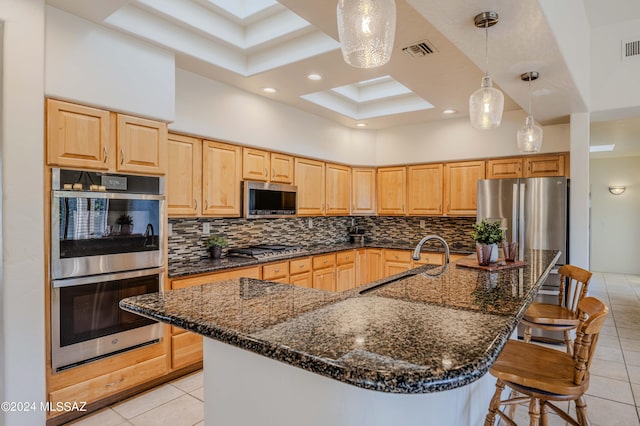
x: 263, y: 199
x: 107, y: 243
x: 268, y: 251
x: 535, y: 213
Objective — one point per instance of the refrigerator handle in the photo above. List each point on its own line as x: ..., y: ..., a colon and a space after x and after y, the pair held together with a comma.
x: 514, y: 214
x: 521, y: 230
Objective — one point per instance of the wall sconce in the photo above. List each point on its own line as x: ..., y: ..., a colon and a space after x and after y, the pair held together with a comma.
x: 616, y: 189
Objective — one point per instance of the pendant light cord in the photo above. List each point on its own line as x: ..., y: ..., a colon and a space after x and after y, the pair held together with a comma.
x: 486, y: 47
x: 530, y: 110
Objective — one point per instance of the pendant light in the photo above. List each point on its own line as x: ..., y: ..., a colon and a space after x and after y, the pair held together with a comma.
x: 530, y: 135
x: 366, y: 29
x: 486, y: 103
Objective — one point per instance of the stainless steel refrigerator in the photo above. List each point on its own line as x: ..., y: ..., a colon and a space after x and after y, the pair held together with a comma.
x: 535, y: 213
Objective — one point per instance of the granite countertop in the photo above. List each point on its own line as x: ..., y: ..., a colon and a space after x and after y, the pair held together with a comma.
x: 206, y: 265
x: 428, y: 329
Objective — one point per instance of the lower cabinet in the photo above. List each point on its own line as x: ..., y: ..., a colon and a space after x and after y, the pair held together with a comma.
x: 396, y: 261
x: 345, y: 270
x: 300, y: 272
x: 324, y: 272
x: 375, y: 265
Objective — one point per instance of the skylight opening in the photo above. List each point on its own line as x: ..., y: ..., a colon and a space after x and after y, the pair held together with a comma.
x: 602, y: 148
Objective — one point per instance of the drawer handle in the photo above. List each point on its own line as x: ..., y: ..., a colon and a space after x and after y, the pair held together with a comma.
x: 325, y: 261
x: 104, y: 152
x: 121, y: 157
x: 301, y: 266
x: 396, y: 256
x: 195, y: 204
x: 116, y: 382
x: 277, y: 270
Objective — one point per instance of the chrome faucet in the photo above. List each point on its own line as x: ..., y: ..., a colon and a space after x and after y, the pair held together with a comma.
x: 416, y: 252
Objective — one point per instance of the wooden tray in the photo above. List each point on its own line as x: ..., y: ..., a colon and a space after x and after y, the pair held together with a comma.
x: 472, y: 263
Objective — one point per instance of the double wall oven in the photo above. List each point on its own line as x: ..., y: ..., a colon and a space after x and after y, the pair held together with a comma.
x: 107, y: 243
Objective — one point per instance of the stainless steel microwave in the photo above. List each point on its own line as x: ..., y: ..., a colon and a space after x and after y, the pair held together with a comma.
x: 264, y: 199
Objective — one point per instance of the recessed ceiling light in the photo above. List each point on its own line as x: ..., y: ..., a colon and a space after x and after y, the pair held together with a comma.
x: 601, y: 148
x: 269, y: 90
x: 314, y: 77
x: 449, y: 111
x: 361, y: 124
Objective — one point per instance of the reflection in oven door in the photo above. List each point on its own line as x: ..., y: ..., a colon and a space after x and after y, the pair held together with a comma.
x: 87, y: 322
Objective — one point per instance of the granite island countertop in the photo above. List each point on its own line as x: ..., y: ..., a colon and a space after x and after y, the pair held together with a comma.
x: 426, y: 330
x: 207, y: 265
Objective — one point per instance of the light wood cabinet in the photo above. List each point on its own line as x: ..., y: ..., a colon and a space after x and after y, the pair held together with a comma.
x: 85, y: 137
x: 186, y: 349
x: 300, y: 272
x: 375, y: 264
x: 79, y: 136
x: 392, y: 190
x: 424, y: 189
x: 345, y: 270
x: 504, y: 168
x: 337, y: 189
x: 429, y: 258
x: 544, y: 165
x: 276, y: 271
x: 396, y: 261
x: 310, y: 179
x: 461, y: 187
x: 255, y: 164
x: 221, y: 175
x: 363, y: 191
x: 324, y: 272
x: 362, y: 272
x: 281, y: 168
x: 142, y: 145
x: 304, y: 279
x: 184, y: 176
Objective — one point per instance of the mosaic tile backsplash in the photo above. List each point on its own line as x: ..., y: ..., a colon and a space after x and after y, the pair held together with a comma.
x: 187, y: 242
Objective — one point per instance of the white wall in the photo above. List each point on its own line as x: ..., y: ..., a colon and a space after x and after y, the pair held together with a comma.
x: 215, y: 110
x: 93, y: 65
x: 615, y: 224
x: 455, y: 139
x: 614, y: 82
x: 579, y: 195
x: 22, y: 349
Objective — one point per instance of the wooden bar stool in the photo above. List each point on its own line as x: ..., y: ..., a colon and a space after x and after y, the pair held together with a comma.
x: 541, y: 375
x: 561, y: 316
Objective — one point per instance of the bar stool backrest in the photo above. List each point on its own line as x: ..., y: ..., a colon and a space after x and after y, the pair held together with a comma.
x: 592, y: 313
x: 574, y: 284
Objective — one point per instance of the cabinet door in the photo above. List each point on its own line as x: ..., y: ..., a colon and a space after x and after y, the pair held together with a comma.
x: 392, y: 190
x: 337, y: 189
x: 221, y: 177
x: 281, y: 168
x: 345, y: 276
x: 255, y: 164
x: 461, y: 187
x: 310, y: 182
x: 276, y: 271
x: 504, y: 168
x: 363, y: 191
x: 325, y: 279
x: 184, y: 173
x: 79, y: 136
x: 429, y: 258
x: 544, y: 165
x: 375, y: 263
x: 141, y: 145
x: 396, y: 261
x: 304, y: 279
x: 424, y: 189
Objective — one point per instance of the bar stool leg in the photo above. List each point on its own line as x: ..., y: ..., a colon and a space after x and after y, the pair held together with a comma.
x: 527, y: 334
x: 568, y: 341
x: 581, y: 411
x: 494, y: 405
x: 534, y: 412
x: 544, y: 421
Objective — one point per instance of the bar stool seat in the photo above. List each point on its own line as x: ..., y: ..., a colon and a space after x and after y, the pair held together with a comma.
x: 574, y: 284
x: 541, y: 375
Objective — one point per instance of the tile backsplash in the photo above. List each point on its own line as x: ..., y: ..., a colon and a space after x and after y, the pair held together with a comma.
x: 187, y: 241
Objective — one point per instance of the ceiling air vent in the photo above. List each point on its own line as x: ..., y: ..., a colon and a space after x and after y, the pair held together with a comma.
x: 630, y: 49
x: 419, y: 49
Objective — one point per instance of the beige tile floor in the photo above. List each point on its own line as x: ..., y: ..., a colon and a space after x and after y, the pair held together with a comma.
x: 613, y: 397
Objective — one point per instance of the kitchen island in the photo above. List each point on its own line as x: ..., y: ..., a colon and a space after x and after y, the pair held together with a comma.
x: 409, y: 349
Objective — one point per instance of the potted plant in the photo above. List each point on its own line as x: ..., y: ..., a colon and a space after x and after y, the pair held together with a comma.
x: 215, y: 245
x: 126, y: 224
x: 487, y: 234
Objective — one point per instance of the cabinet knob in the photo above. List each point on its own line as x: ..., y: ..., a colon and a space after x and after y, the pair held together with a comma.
x: 301, y: 266
x: 277, y: 270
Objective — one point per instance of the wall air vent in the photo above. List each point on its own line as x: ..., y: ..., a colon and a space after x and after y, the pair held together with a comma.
x: 419, y: 49
x: 631, y: 48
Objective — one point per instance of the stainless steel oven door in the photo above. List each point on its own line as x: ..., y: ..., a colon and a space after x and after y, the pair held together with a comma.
x: 87, y: 322
x: 96, y: 232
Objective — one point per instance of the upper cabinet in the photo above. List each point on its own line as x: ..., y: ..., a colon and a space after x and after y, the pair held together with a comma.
x: 363, y: 191
x: 266, y: 166
x: 544, y: 165
x: 424, y: 189
x: 461, y: 187
x: 184, y: 175
x: 142, y: 145
x: 337, y: 189
x: 85, y: 137
x: 504, y: 168
x: 310, y: 179
x: 392, y: 190
x: 221, y: 175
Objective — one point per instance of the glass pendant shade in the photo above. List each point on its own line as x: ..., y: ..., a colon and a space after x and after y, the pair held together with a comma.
x: 486, y: 105
x: 529, y: 137
x: 366, y: 29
